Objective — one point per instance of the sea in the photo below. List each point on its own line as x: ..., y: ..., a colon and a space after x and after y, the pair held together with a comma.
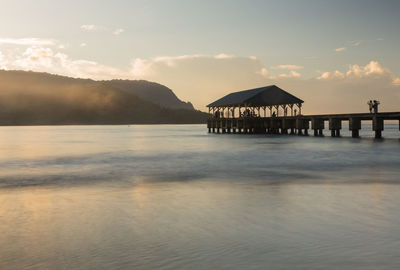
x: 178, y: 197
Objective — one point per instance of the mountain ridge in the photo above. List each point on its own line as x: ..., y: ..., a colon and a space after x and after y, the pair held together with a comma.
x: 151, y: 91
x: 33, y: 98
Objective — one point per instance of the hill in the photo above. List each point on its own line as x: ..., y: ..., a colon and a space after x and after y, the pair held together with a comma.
x: 151, y: 91
x: 32, y: 98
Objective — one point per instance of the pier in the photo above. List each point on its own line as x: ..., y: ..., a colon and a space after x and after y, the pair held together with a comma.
x: 271, y: 110
x: 301, y: 124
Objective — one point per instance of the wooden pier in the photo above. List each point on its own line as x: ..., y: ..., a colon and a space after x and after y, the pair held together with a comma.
x: 300, y: 125
x: 271, y: 110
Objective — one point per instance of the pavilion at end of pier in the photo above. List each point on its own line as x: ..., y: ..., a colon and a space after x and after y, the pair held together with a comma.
x: 271, y: 110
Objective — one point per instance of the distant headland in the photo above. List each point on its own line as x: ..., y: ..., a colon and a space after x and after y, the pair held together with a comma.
x: 33, y: 98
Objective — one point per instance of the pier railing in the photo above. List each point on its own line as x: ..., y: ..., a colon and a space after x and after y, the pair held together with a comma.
x: 301, y: 124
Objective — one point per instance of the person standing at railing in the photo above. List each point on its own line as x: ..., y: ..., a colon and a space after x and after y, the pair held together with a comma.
x: 370, y: 105
x: 375, y: 105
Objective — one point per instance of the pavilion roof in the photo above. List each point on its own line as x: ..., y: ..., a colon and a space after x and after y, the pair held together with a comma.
x: 263, y: 96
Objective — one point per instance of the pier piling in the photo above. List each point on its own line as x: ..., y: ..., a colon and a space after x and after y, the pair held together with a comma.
x: 335, y: 125
x: 302, y: 124
x: 377, y: 126
x: 355, y: 126
x: 318, y: 126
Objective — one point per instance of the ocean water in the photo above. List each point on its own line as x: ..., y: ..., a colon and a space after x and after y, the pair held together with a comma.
x: 176, y: 197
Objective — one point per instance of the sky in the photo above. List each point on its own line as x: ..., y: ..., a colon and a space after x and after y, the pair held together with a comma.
x: 335, y: 55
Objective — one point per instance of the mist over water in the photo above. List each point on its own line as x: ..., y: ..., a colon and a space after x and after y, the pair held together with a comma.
x: 176, y: 197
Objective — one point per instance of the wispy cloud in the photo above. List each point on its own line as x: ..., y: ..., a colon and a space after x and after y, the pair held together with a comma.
x: 118, y: 31
x: 292, y: 74
x: 89, y: 27
x: 331, y: 75
x: 83, y: 44
x: 224, y: 56
x: 341, y: 49
x: 27, y: 41
x: 264, y: 72
x: 288, y: 67
x: 355, y: 43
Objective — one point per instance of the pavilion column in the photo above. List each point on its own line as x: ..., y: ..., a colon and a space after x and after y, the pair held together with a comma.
x: 277, y: 110
x: 215, y: 119
x: 284, y: 110
x: 299, y: 105
x: 218, y: 119
x: 223, y: 120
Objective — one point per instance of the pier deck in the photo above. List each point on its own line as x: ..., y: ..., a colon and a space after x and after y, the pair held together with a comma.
x: 300, y: 124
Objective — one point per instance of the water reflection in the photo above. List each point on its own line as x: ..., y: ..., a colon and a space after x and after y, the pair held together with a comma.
x: 174, y: 197
x: 180, y: 226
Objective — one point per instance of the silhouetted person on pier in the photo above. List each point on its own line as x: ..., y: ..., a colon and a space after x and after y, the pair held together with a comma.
x: 375, y: 105
x: 370, y: 105
x: 285, y: 111
x: 295, y: 112
x: 273, y: 114
x: 216, y: 114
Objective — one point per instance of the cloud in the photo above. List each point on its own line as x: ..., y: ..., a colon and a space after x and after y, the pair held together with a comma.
x: 224, y: 56
x: 94, y: 28
x: 292, y: 74
x: 34, y: 57
x: 340, y: 49
x: 355, y: 43
x: 44, y: 59
x: 83, y: 44
x: 331, y: 75
x: 27, y: 41
x: 289, y: 67
x: 89, y: 27
x: 264, y: 72
x: 140, y: 67
x: 118, y: 31
x: 372, y: 68
x: 396, y: 81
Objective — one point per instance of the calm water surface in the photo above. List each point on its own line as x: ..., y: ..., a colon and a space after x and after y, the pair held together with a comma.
x: 175, y: 197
